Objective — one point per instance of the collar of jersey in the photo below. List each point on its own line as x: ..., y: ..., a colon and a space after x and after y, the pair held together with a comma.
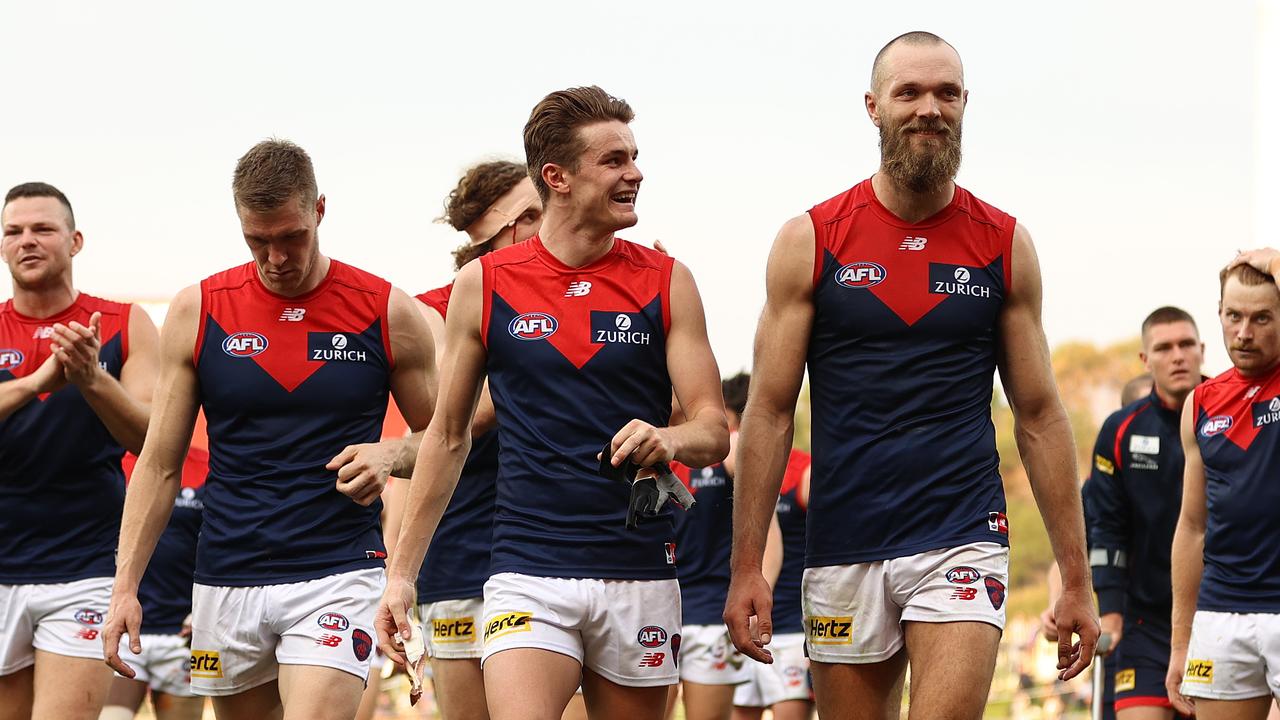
x: 310, y: 294
x: 935, y: 219
x: 58, y: 317
x: 554, y: 263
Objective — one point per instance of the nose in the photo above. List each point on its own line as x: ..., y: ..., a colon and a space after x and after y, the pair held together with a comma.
x: 276, y: 255
x: 634, y: 175
x: 929, y: 107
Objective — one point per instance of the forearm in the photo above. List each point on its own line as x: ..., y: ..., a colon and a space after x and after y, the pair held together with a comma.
x: 702, y: 440
x: 14, y: 394
x: 147, y: 507
x: 1045, y: 444
x: 406, y: 453
x: 486, y: 417
x: 439, y: 464
x: 772, y: 564
x: 124, y: 417
x: 764, y: 444
x: 1187, y: 566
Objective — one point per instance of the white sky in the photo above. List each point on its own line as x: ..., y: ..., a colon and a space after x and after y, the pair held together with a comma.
x: 1127, y: 136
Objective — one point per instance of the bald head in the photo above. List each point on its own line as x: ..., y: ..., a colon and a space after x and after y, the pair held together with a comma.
x: 916, y: 38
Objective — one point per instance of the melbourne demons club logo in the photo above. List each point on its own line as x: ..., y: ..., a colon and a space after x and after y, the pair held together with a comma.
x: 10, y: 358
x: 1215, y: 425
x: 244, y: 344
x: 860, y: 275
x: 533, y: 326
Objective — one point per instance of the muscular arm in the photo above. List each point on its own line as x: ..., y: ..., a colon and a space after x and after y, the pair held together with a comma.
x: 158, y: 474
x: 18, y: 392
x: 1187, y: 557
x: 1045, y: 444
x: 768, y: 424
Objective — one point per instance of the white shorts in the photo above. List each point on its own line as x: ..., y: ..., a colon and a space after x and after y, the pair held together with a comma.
x: 1233, y: 656
x: 241, y: 635
x: 626, y: 630
x: 450, y: 627
x: 164, y: 664
x: 60, y: 618
x: 708, y: 656
x: 854, y: 613
x: 786, y: 679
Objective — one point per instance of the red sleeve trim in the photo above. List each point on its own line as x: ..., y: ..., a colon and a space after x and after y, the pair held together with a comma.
x: 385, y: 314
x: 664, y: 293
x: 819, y: 250
x: 1124, y: 425
x: 486, y: 291
x: 206, y: 306
x: 124, y: 332
x: 1007, y: 256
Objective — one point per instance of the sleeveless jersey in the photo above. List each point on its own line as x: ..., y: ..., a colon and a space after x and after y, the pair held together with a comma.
x: 787, y: 614
x: 286, y: 384
x: 704, y: 536
x: 1135, y: 497
x: 901, y: 363
x: 1238, y: 432
x: 457, y: 563
x: 61, y: 487
x: 165, y: 590
x: 574, y: 354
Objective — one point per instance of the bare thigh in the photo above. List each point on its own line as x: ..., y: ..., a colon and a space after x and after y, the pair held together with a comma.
x: 313, y: 692
x: 607, y: 699
x: 459, y: 689
x: 173, y: 707
x: 69, y: 688
x: 793, y: 710
x: 1145, y: 712
x: 1251, y: 709
x: 872, y: 691
x: 707, y: 702
x: 17, y: 689
x: 126, y: 693
x: 262, y: 702
x: 951, y: 668
x: 529, y: 684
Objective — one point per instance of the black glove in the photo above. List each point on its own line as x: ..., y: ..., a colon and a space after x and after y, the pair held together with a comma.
x: 648, y: 494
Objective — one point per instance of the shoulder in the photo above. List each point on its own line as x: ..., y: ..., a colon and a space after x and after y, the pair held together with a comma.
x: 643, y: 257
x: 984, y: 213
x: 92, y: 303
x: 229, y: 279
x: 354, y: 278
x: 840, y: 206
x: 511, y: 255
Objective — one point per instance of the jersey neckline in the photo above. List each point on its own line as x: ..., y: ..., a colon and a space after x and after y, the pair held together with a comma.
x: 932, y: 221
x: 59, y: 316
x: 555, y: 264
x: 304, y: 297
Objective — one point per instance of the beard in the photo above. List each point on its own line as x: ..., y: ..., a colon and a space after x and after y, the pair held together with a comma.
x: 920, y: 170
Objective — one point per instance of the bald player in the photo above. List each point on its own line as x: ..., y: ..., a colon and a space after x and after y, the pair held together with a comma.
x: 1225, y: 651
x: 903, y: 296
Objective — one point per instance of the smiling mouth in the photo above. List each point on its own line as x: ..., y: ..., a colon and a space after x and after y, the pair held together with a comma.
x: 624, y: 198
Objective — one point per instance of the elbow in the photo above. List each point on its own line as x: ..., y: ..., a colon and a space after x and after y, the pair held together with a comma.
x: 714, y: 449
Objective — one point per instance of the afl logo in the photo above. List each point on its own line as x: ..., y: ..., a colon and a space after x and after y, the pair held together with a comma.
x: 963, y: 575
x: 88, y: 617
x: 651, y: 636
x: 244, y: 344
x: 861, y: 275
x: 1215, y: 425
x: 533, y: 326
x: 333, y: 622
x: 10, y: 358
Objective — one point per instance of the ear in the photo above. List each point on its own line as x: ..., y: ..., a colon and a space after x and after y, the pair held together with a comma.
x: 77, y: 243
x: 1143, y: 357
x: 873, y: 111
x: 556, y: 178
x: 319, y: 209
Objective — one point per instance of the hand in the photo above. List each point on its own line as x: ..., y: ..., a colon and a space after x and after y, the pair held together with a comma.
x: 643, y: 443
x: 124, y: 616
x: 748, y: 615
x: 185, y: 632
x: 1173, y: 681
x: 1048, y: 625
x: 1075, y: 613
x: 1113, y: 625
x: 49, y: 377
x: 363, y: 471
x: 76, y: 347
x: 657, y: 245
x: 1262, y: 259
x: 391, y: 622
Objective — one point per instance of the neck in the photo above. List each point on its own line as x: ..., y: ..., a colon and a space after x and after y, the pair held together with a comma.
x: 46, y: 301
x: 319, y: 271
x: 571, y: 240
x: 1170, y: 399
x: 1260, y: 372
x: 908, y: 205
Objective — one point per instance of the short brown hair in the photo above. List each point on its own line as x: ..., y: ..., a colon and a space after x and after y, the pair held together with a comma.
x: 915, y: 37
x: 735, y: 392
x: 551, y: 135
x: 271, y: 173
x: 39, y: 190
x: 1165, y: 315
x: 1248, y: 275
x: 480, y: 186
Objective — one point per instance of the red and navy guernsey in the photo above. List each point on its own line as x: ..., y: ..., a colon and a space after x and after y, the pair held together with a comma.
x: 286, y: 384
x: 704, y: 536
x: 574, y: 354
x: 61, y: 486
x: 1238, y: 432
x: 901, y: 364
x: 791, y: 510
x: 457, y: 562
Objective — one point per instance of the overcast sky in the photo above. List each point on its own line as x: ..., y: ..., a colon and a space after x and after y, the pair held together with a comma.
x: 1127, y: 136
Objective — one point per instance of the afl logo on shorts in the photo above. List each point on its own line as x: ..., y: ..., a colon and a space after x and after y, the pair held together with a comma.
x: 651, y: 636
x: 333, y: 622
x: 963, y: 575
x: 244, y: 344
x: 861, y: 275
x: 533, y: 326
x: 88, y: 617
x: 1215, y: 425
x: 10, y: 358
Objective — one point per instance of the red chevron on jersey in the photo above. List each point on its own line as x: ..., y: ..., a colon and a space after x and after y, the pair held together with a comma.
x: 25, y: 342
x: 293, y: 337
x: 536, y: 287
x: 1237, y: 407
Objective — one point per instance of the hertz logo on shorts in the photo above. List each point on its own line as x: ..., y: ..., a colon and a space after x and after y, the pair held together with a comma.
x: 506, y: 624
x: 1199, y: 671
x: 1126, y: 680
x: 453, y: 630
x: 205, y: 664
x: 831, y: 630
x: 1104, y: 465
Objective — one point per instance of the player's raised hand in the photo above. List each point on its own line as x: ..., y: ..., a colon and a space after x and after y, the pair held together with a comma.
x: 1262, y: 259
x: 391, y: 622
x: 363, y: 471
x: 643, y: 443
x: 1075, y: 615
x: 748, y: 613
x: 49, y: 377
x: 124, y: 616
x: 76, y: 347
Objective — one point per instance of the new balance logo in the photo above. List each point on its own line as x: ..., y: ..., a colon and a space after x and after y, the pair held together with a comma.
x: 329, y: 640
x: 292, y: 314
x: 913, y: 243
x: 653, y: 659
x: 965, y: 593
x: 578, y: 288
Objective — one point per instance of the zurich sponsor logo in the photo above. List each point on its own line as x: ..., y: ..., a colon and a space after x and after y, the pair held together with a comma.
x: 861, y: 275
x: 10, y: 358
x: 533, y: 326
x: 244, y: 344
x: 1215, y: 425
